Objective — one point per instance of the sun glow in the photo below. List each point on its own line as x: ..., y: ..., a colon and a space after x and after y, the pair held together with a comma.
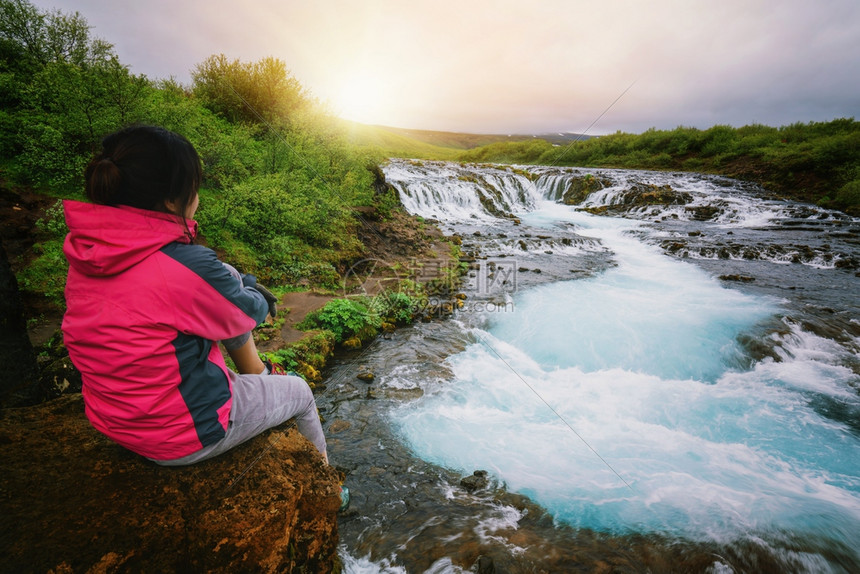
x: 361, y: 98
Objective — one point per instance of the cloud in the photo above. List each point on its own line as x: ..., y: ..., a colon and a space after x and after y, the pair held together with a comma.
x: 507, y: 66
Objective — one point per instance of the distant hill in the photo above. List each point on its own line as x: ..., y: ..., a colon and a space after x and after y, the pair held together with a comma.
x: 404, y: 142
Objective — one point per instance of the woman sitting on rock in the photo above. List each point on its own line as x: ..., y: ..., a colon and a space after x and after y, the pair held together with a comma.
x: 146, y: 308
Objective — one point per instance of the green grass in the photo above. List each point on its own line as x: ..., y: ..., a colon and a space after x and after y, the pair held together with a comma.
x: 423, y: 144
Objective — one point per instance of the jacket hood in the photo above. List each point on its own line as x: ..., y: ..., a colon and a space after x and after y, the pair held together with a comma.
x: 105, y: 240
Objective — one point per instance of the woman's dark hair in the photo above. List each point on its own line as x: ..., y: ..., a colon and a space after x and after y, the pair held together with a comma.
x: 144, y: 166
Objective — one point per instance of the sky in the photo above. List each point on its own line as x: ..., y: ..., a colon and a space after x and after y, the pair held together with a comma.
x: 517, y: 67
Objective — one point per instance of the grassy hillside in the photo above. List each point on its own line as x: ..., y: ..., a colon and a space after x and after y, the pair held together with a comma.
x: 389, y: 142
x: 440, y: 145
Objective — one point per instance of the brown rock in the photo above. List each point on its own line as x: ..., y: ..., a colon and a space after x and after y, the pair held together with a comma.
x: 73, y: 501
x: 477, y: 481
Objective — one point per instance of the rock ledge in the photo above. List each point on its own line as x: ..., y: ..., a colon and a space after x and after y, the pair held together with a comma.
x: 72, y: 501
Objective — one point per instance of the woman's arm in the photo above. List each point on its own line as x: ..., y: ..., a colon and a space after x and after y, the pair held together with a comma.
x: 246, y: 358
x: 207, y: 298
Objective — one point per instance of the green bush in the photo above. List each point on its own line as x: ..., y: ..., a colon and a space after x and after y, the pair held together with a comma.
x: 345, y: 318
x: 848, y: 197
x: 306, y: 356
x: 46, y: 274
x: 395, y: 306
x: 294, y: 228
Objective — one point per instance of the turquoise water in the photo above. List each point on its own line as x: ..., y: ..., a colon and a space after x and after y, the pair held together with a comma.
x: 624, y: 403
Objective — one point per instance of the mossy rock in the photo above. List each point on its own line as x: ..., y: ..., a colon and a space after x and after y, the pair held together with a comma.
x: 650, y: 194
x: 581, y: 187
x: 309, y: 373
x: 352, y: 343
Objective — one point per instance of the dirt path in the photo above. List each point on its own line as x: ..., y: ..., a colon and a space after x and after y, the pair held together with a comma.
x: 294, y: 307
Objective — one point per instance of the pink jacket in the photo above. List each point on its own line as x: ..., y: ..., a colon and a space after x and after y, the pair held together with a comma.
x: 145, y: 308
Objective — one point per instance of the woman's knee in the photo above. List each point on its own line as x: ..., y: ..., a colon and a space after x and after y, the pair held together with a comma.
x: 301, y: 391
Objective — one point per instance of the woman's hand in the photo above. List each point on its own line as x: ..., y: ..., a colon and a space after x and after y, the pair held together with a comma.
x: 270, y: 299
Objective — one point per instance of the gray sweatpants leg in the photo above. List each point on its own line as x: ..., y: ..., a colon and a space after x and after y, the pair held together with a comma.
x: 261, y: 402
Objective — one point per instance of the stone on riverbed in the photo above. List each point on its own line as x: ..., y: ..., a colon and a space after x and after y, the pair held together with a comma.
x: 477, y: 481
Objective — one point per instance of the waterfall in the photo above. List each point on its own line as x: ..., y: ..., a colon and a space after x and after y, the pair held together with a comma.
x: 629, y: 390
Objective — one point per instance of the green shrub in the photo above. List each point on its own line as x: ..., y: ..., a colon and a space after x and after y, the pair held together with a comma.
x: 345, y: 318
x: 848, y: 197
x: 294, y: 229
x: 46, y: 274
x: 53, y: 224
x: 306, y: 356
x: 398, y: 307
x: 718, y: 140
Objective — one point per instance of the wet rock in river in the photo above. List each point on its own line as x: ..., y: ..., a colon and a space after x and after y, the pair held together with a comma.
x: 579, y: 188
x: 702, y: 212
x: 847, y: 262
x: 673, y: 246
x: 365, y: 374
x: 484, y: 565
x: 339, y: 425
x: 736, y: 277
x: 352, y: 343
x: 477, y: 481
x: 650, y: 194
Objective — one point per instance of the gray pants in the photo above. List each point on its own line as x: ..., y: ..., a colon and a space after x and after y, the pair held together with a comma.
x: 261, y: 402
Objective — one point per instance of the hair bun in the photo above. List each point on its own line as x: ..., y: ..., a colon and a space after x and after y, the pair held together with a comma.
x: 104, y: 179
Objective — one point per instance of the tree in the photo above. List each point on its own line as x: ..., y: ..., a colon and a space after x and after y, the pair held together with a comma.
x: 258, y: 92
x: 62, y: 91
x: 46, y: 37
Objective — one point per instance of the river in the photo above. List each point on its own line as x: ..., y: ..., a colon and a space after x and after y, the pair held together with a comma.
x: 662, y: 376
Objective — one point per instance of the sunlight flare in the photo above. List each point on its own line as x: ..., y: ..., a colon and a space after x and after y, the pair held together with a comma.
x: 360, y: 97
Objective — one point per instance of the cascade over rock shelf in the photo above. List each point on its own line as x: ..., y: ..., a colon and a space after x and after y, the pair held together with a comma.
x: 72, y: 501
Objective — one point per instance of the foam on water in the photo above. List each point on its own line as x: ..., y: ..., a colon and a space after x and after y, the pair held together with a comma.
x: 364, y: 565
x: 650, y: 314
x: 635, y: 377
